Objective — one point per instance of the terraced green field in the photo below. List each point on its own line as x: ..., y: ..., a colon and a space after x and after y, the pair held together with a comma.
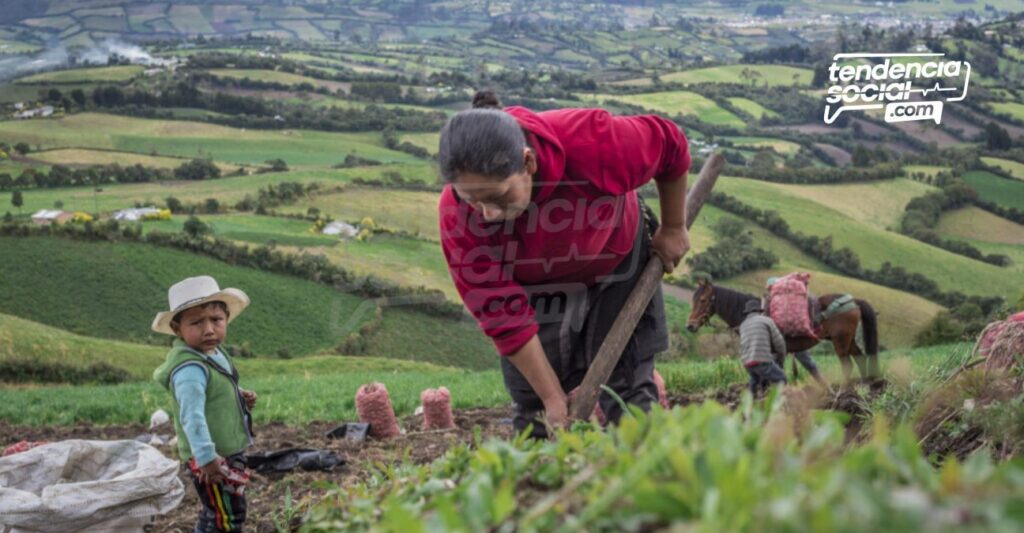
x: 115, y: 74
x: 227, y: 191
x: 253, y: 229
x: 751, y: 107
x: 874, y: 246
x: 1005, y: 192
x: 1013, y: 167
x: 1014, y: 109
x: 427, y: 141
x: 408, y: 262
x: 195, y: 139
x: 273, y: 76
x: 415, y: 212
x: 85, y: 157
x: 779, y: 145
x: 674, y: 103
x: 25, y: 340
x: 771, y: 74
x: 978, y: 224
x: 879, y: 204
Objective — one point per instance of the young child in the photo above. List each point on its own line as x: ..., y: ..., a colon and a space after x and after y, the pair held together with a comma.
x: 211, y: 411
x: 761, y: 344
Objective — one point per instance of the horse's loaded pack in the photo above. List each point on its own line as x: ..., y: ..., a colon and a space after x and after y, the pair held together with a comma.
x: 787, y: 305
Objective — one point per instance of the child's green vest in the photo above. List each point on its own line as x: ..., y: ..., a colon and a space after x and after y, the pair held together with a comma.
x: 226, y: 414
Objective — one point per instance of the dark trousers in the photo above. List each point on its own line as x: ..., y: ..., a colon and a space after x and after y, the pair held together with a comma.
x: 222, y: 509
x: 764, y: 375
x: 572, y: 338
x: 805, y: 360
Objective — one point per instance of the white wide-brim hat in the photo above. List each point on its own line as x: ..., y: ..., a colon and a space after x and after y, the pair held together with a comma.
x: 192, y: 292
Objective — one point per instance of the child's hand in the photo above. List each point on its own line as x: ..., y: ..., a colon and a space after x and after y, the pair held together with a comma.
x: 250, y: 398
x: 213, y: 472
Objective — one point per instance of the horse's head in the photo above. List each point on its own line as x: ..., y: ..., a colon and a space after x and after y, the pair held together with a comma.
x: 703, y: 306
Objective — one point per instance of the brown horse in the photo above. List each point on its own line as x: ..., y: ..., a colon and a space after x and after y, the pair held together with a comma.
x: 841, y: 329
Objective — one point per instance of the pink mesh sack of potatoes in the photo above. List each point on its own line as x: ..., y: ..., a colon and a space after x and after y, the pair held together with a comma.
x: 437, y: 409
x: 374, y: 407
x: 788, y: 307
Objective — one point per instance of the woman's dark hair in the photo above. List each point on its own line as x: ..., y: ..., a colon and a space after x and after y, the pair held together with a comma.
x: 483, y: 140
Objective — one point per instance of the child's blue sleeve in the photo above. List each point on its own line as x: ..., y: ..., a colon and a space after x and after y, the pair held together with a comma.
x: 190, y: 390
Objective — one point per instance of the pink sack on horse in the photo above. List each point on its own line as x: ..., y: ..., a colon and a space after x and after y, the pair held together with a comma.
x: 788, y: 307
x: 993, y: 331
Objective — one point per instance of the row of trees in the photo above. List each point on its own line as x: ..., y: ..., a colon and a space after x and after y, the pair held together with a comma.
x: 256, y: 113
x: 64, y: 176
x: 266, y: 198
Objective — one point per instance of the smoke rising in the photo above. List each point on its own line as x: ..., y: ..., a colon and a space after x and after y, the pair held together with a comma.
x: 59, y: 56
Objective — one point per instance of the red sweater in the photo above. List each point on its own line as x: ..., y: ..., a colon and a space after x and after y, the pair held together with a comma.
x: 580, y: 224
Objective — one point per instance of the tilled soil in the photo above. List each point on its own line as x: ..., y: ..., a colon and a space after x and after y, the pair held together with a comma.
x: 266, y: 495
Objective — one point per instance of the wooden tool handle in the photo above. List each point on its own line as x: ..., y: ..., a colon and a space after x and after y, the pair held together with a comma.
x: 611, y: 349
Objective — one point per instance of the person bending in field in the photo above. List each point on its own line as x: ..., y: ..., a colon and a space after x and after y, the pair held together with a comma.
x: 761, y: 344
x: 211, y: 412
x: 545, y: 237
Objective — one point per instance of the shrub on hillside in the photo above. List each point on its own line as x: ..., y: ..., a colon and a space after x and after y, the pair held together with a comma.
x: 197, y: 169
x: 943, y: 329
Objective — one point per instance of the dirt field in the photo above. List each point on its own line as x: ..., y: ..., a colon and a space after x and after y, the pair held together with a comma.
x: 266, y: 495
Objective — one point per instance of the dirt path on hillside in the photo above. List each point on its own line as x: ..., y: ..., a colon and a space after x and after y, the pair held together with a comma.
x: 679, y: 293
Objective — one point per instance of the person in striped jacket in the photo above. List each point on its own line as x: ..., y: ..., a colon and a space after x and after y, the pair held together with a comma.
x: 761, y: 344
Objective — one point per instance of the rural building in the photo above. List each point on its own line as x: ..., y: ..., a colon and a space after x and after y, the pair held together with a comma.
x: 135, y: 213
x: 44, y: 111
x: 46, y: 217
x: 343, y: 229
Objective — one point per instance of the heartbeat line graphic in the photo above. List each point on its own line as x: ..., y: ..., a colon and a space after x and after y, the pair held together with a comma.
x: 936, y: 87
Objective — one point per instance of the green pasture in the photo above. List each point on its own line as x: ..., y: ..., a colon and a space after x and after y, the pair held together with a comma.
x: 196, y: 139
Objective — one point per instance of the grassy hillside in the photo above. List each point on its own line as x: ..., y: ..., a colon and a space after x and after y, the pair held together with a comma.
x: 978, y: 224
x: 1013, y: 167
x: 25, y: 340
x: 674, y: 103
x: 273, y: 76
x: 771, y: 74
x: 874, y: 246
x: 1005, y: 192
x: 84, y: 157
x: 112, y: 291
x: 751, y: 107
x: 225, y: 190
x: 114, y: 74
x: 412, y: 211
x: 197, y: 139
x: 879, y: 204
x: 254, y: 229
x: 781, y: 146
